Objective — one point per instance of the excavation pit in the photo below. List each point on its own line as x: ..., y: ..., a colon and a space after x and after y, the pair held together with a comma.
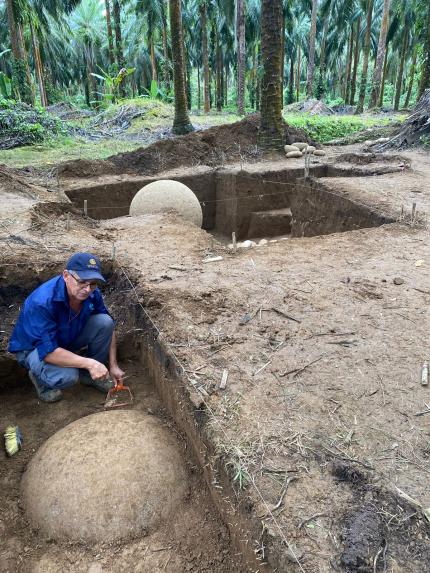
x: 305, y: 330
x: 120, y: 485
x: 276, y: 202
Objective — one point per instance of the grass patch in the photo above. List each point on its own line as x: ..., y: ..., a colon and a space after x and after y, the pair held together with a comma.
x: 325, y: 128
x: 64, y: 149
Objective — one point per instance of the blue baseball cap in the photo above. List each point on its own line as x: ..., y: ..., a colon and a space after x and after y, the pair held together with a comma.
x: 86, y: 265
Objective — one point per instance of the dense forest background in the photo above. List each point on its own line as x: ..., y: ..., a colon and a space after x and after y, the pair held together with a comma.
x: 367, y: 53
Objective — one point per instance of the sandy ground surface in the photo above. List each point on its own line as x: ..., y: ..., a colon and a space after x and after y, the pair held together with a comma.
x: 323, y: 347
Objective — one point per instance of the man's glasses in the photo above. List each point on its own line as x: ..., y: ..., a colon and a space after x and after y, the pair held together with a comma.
x: 83, y: 284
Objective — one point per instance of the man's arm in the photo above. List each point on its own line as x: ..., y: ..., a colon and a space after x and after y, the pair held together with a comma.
x: 65, y: 358
x: 115, y: 371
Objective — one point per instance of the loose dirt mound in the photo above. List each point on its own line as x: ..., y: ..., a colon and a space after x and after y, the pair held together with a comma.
x: 311, y: 106
x: 214, y: 146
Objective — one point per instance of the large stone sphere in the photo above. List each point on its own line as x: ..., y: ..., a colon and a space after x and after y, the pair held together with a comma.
x: 166, y: 195
x: 107, y: 476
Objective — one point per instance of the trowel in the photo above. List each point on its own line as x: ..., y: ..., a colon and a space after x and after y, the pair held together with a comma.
x: 118, y: 397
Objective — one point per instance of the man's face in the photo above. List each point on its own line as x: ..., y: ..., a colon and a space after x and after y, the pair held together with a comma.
x: 76, y: 288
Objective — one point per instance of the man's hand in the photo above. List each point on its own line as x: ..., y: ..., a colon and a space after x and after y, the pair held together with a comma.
x: 116, y: 374
x: 97, y: 370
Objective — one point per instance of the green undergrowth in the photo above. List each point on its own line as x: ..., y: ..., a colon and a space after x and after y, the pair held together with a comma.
x: 21, y: 124
x: 326, y: 128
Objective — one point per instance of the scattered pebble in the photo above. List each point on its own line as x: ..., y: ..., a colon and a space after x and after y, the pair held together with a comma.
x: 398, y: 281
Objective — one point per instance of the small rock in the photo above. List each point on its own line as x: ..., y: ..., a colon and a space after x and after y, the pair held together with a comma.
x: 262, y: 242
x: 297, y: 153
x: 300, y: 145
x: 382, y: 140
x: 246, y: 244
x: 310, y: 149
x: 319, y: 152
x: 398, y: 281
x: 288, y: 148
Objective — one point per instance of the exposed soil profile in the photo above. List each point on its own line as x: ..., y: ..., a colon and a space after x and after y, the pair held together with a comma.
x: 303, y: 462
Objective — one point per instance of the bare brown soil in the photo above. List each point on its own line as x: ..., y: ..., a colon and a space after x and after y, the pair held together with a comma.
x: 315, y: 441
x: 214, y: 146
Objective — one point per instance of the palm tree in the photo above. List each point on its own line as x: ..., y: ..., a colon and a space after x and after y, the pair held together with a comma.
x: 109, y: 32
x: 118, y: 41
x: 19, y: 63
x: 181, y: 122
x: 425, y: 74
x: 240, y: 35
x: 204, y: 32
x: 271, y: 133
x: 377, y: 73
x: 312, y: 40
x: 363, y: 84
x: 86, y: 25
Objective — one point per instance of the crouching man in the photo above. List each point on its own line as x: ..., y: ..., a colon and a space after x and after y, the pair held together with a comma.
x: 64, y: 333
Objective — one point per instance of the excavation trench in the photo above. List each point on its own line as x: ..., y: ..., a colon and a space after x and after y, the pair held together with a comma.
x: 219, y: 528
x: 269, y: 203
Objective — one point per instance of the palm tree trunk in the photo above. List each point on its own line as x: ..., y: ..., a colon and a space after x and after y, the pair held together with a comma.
x: 349, y: 66
x: 401, y: 67
x: 38, y: 66
x: 20, y: 82
x: 109, y: 33
x: 118, y: 41
x: 166, y: 67
x: 312, y: 38
x: 290, y: 94
x: 226, y: 84
x: 271, y: 133
x: 218, y: 74
x: 425, y: 74
x: 153, y: 61
x: 299, y: 63
x: 356, y: 57
x: 412, y: 77
x: 282, y: 59
x: 199, y: 90
x: 258, y: 82
x: 363, y: 83
x: 377, y: 72
x: 203, y: 22
x: 240, y: 35
x: 384, y: 77
x: 181, y: 122
x: 321, y: 83
x: 26, y: 61
x: 187, y: 78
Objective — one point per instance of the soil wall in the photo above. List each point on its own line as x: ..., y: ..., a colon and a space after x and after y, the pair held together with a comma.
x: 317, y: 210
x: 112, y: 199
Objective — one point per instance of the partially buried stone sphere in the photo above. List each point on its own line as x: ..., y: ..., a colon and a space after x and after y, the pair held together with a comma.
x: 107, y: 476
x: 166, y: 195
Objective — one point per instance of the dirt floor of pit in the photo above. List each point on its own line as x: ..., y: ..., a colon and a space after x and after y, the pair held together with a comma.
x: 194, y: 540
x: 323, y: 351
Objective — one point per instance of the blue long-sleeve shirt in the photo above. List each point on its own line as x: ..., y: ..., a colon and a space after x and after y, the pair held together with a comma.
x: 47, y: 321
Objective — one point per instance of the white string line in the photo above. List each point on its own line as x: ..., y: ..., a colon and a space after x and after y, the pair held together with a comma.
x: 230, y: 441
